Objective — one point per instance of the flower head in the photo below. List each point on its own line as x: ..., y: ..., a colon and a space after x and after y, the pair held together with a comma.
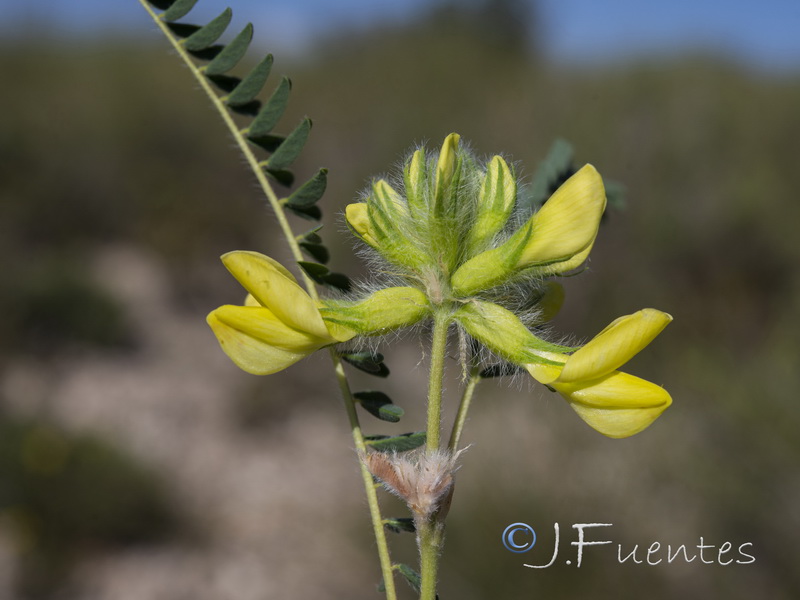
x: 279, y: 323
x: 614, y: 403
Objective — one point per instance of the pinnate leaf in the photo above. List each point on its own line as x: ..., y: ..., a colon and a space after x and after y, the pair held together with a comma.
x: 251, y: 85
x: 272, y: 112
x: 179, y: 9
x: 396, y: 443
x: 232, y: 53
x: 208, y: 34
x: 369, y: 362
x: 291, y: 147
x: 379, y: 405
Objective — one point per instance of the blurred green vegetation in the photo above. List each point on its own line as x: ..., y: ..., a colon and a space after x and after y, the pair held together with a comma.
x: 108, y: 143
x: 63, y: 495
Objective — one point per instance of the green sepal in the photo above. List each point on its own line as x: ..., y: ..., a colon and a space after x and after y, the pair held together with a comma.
x: 231, y: 54
x: 503, y: 333
x: 369, y: 362
x: 491, y: 268
x: 251, y: 85
x: 272, y: 111
x: 380, y: 312
x: 178, y: 9
x: 290, y: 149
x: 387, y: 213
x: 310, y: 192
x: 396, y: 443
x: 379, y: 405
x: 324, y: 276
x: 399, y: 524
x: 317, y: 251
x: 208, y: 34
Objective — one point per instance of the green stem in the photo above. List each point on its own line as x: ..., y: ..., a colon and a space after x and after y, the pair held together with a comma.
x: 347, y: 397
x: 430, y: 533
x: 441, y: 323
x: 366, y: 476
x: 431, y: 536
x: 463, y: 408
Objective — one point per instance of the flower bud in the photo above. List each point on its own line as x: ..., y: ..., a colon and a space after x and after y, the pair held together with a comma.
x: 495, y: 202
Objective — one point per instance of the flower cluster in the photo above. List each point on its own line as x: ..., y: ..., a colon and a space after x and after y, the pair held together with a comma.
x: 451, y: 231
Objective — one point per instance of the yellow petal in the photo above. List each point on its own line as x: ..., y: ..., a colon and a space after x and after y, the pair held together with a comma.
x: 618, y: 422
x: 446, y: 166
x: 563, y: 266
x: 357, y: 216
x: 251, y: 301
x: 248, y: 353
x: 260, y: 323
x: 568, y: 221
x: 415, y: 183
x: 546, y: 373
x: 275, y: 288
x: 615, y: 390
x: 615, y: 345
x: 618, y: 405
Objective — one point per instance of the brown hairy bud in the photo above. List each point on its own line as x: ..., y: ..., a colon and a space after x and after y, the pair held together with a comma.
x: 423, y: 480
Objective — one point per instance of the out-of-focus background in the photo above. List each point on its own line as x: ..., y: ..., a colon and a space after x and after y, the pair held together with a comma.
x: 137, y: 462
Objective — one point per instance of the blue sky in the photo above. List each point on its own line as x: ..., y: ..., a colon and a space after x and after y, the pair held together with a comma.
x: 764, y: 34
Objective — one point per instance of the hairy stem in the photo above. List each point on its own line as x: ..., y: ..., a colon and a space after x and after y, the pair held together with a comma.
x: 430, y: 533
x: 441, y: 323
x: 344, y: 387
x: 431, y: 537
x: 463, y: 408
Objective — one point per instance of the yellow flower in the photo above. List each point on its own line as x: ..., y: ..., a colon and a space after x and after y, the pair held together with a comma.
x: 614, y: 403
x: 558, y: 238
x: 566, y: 226
x: 279, y: 324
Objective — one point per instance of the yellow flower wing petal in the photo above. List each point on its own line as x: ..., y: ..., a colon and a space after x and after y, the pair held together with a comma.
x: 568, y: 221
x: 615, y: 345
x: 275, y: 288
x: 248, y: 353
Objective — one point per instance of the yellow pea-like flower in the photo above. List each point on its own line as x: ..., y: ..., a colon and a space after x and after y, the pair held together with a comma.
x: 614, y: 403
x: 567, y: 223
x: 279, y: 324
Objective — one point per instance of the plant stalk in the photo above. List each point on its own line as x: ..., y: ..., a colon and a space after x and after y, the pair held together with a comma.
x: 441, y: 323
x: 430, y: 533
x: 463, y: 408
x: 347, y: 397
